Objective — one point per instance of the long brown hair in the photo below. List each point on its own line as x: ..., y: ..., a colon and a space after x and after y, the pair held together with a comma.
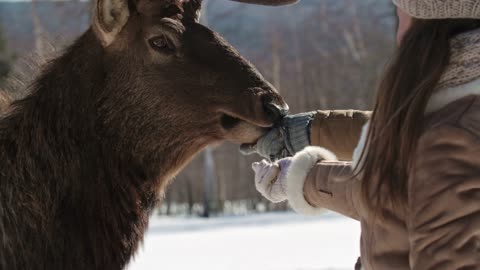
x: 397, y: 121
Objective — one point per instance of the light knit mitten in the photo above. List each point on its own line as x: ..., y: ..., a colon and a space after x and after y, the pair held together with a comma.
x: 290, y: 137
x: 270, y: 179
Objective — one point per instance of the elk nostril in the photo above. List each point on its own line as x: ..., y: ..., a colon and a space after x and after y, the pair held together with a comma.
x: 275, y: 112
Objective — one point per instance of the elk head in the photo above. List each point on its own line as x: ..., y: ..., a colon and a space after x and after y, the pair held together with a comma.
x: 176, y: 79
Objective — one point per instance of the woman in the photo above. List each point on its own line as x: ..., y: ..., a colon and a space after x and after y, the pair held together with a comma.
x: 414, y: 183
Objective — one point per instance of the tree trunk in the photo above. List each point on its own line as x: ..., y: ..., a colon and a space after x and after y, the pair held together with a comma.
x: 39, y: 33
x: 208, y: 181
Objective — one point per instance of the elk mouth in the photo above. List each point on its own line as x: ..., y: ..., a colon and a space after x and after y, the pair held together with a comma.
x: 247, y: 125
x: 239, y: 130
x: 228, y: 122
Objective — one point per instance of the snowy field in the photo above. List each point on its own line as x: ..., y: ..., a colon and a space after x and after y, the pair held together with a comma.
x: 258, y: 242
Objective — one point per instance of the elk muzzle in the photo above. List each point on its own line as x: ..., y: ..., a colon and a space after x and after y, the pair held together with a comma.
x: 246, y: 124
x: 275, y: 110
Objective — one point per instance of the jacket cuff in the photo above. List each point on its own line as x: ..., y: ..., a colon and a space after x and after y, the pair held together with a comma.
x: 297, y: 174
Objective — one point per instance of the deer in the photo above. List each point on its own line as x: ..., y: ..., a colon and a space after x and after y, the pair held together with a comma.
x: 86, y: 155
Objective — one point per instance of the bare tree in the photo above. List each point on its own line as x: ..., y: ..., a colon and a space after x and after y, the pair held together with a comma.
x: 40, y: 34
x: 209, y: 160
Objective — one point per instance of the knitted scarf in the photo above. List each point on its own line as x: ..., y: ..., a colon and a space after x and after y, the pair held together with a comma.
x: 464, y: 65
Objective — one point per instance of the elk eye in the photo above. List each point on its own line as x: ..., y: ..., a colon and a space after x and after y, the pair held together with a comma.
x: 162, y: 44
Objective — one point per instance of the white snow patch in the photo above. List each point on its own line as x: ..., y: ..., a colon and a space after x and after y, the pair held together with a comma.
x: 283, y: 241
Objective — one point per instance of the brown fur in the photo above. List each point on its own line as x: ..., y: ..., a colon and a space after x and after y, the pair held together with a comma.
x: 84, y: 157
x: 4, y: 103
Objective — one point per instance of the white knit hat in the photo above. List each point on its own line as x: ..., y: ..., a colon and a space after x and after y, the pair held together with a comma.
x: 440, y: 9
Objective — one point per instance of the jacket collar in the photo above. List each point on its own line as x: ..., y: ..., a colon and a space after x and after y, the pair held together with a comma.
x: 445, y: 96
x: 438, y: 100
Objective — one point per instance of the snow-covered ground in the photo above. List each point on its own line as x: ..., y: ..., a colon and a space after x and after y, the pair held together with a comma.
x: 284, y: 241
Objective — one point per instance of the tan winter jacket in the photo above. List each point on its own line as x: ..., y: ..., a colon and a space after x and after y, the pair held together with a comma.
x: 440, y: 230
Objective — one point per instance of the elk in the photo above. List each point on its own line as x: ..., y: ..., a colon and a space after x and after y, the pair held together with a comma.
x: 85, y: 156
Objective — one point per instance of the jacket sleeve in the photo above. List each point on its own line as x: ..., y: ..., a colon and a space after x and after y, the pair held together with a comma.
x: 316, y: 181
x: 444, y: 201
x: 338, y: 131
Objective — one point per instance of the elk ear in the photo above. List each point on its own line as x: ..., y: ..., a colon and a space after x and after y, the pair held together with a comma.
x: 109, y: 18
x: 192, y: 10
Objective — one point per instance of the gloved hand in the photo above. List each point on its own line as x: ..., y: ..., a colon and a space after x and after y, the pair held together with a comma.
x: 270, y: 179
x: 290, y: 137
x: 271, y: 146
